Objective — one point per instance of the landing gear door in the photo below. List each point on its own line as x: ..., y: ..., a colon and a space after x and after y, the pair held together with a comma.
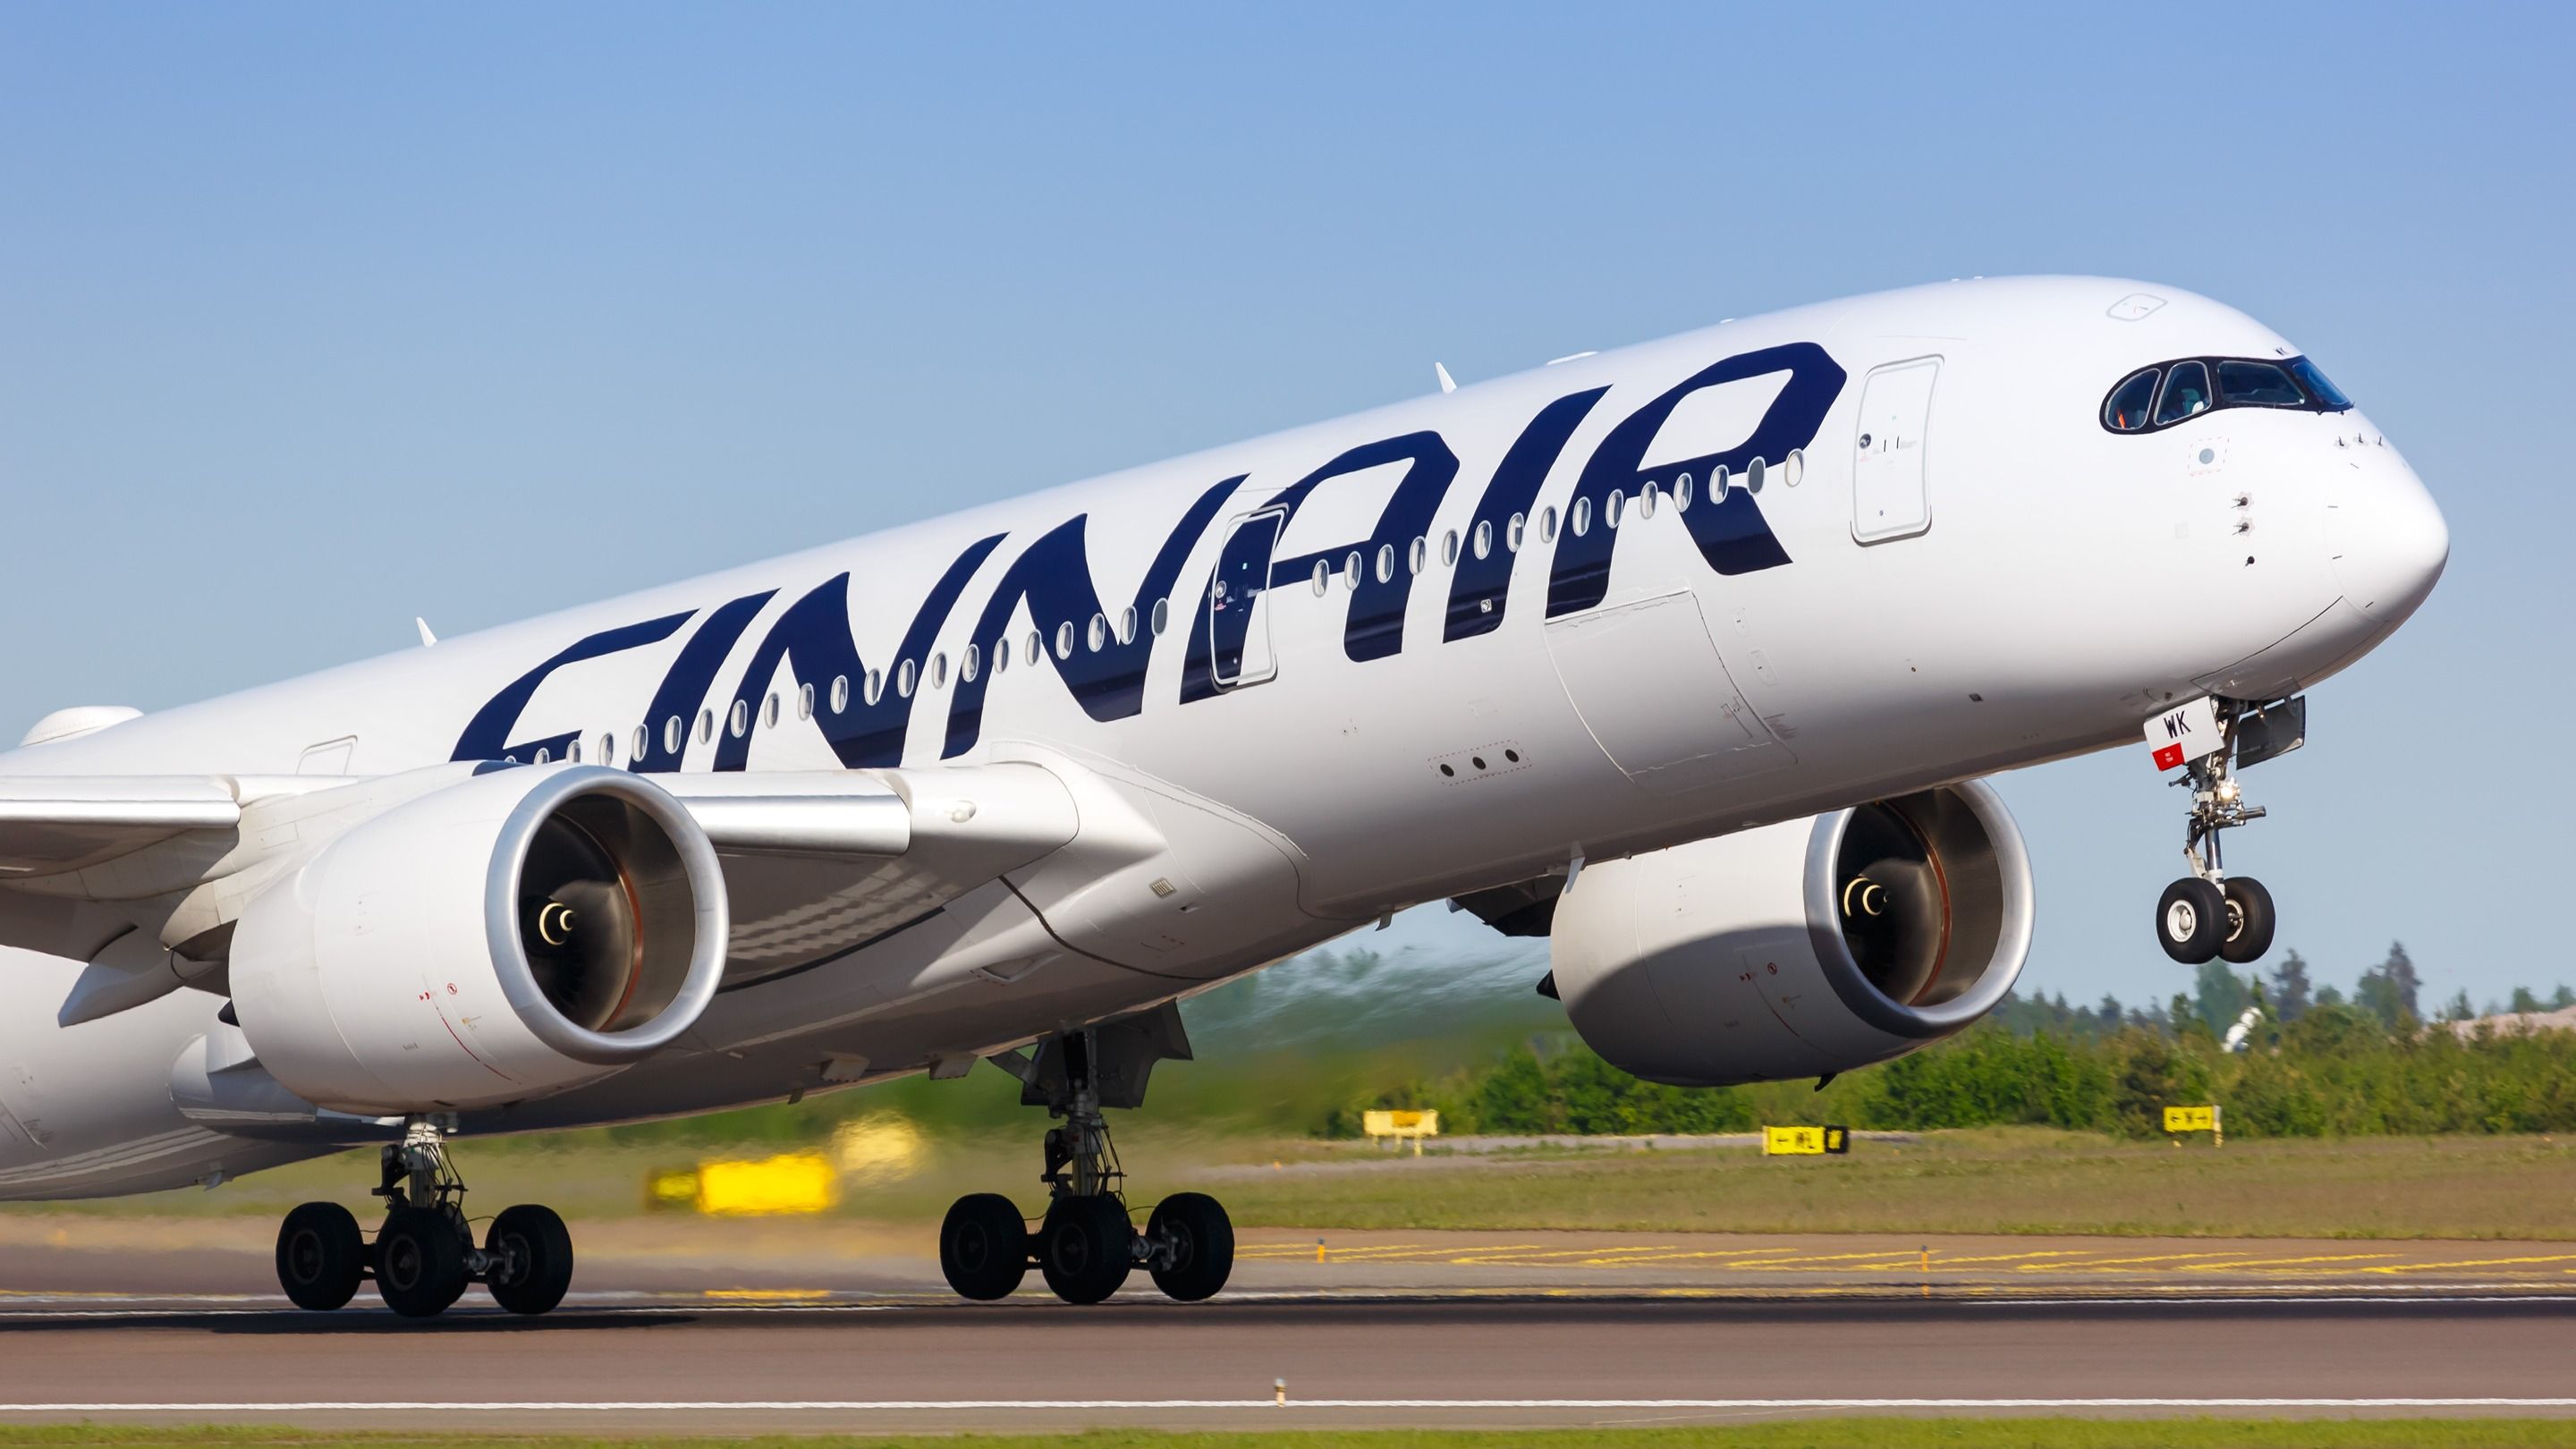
x: 1238, y: 602
x: 1889, y: 500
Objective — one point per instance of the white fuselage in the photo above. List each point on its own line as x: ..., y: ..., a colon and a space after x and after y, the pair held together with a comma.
x: 1992, y: 579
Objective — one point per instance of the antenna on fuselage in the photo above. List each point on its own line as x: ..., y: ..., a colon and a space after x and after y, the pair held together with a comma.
x: 1447, y: 383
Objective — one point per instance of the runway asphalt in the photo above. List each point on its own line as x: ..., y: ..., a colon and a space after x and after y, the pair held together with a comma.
x: 180, y: 1321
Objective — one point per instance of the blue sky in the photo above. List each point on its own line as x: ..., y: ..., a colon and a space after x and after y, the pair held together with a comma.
x: 313, y: 318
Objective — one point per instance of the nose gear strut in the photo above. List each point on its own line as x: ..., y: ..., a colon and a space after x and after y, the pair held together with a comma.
x: 2209, y: 915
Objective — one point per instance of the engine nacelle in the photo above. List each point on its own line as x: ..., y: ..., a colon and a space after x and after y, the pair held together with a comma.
x: 521, y: 932
x: 1799, y: 949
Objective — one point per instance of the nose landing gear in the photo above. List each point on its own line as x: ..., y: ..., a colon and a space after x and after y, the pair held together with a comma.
x: 2209, y: 915
x: 1087, y: 1244
x: 425, y: 1255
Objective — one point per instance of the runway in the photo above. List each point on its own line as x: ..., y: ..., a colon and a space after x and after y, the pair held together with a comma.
x: 1463, y: 1329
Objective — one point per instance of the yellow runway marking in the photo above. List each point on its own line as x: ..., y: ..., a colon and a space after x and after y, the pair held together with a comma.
x: 2269, y: 1265
x: 1939, y: 1262
x: 2102, y: 1263
x: 2472, y: 1263
x: 1419, y: 1253
x: 770, y: 1295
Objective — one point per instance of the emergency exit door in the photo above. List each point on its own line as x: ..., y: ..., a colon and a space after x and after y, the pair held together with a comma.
x: 1238, y: 602
x: 1889, y: 497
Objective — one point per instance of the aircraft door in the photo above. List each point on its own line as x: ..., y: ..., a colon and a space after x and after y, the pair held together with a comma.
x: 1237, y: 602
x: 1889, y: 499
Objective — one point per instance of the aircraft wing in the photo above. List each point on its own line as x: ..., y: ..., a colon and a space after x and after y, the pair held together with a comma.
x: 816, y: 864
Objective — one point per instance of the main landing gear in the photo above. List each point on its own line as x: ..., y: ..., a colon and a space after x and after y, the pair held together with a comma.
x: 2209, y: 915
x: 1087, y: 1243
x: 424, y: 1255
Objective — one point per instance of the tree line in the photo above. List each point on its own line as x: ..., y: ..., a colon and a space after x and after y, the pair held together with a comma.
x: 2315, y: 1062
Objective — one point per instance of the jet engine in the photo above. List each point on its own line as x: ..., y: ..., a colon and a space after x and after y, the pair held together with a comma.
x: 1800, y: 949
x: 518, y: 933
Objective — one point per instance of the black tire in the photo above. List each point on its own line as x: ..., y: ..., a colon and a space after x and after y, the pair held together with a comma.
x: 321, y: 1256
x: 532, y: 1252
x: 2191, y: 920
x: 420, y: 1261
x: 2250, y: 920
x: 1084, y: 1249
x: 1201, y: 1241
x: 984, y: 1246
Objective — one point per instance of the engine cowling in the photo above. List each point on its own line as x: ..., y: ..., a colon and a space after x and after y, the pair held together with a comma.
x: 521, y: 932
x: 1798, y: 949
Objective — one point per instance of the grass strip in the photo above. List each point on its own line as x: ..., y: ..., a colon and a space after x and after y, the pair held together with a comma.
x: 1843, y: 1433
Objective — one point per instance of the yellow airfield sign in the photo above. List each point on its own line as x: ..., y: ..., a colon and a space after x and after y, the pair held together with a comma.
x: 1805, y: 1141
x: 2191, y: 1119
x: 1384, y: 1125
x: 1400, y: 1124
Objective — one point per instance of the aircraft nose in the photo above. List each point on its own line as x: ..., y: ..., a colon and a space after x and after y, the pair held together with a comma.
x: 2389, y: 541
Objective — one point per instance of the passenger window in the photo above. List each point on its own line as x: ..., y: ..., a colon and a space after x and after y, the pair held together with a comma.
x: 1162, y: 616
x: 769, y: 711
x: 1096, y: 634
x: 1421, y: 555
x: 2125, y: 411
x: 2328, y: 396
x: 903, y: 676
x: 1127, y: 625
x: 1581, y: 519
x: 1484, y: 538
x: 1385, y: 562
x: 804, y: 701
x: 1547, y: 524
x: 1449, y: 550
x: 738, y: 718
x: 1064, y: 640
x: 1681, y: 494
x: 873, y: 687
x: 2258, y: 384
x: 2186, y: 393
x: 671, y: 735
x: 840, y: 693
x: 643, y: 743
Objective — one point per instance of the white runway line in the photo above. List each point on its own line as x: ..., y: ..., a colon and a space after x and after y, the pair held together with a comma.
x: 1261, y: 1404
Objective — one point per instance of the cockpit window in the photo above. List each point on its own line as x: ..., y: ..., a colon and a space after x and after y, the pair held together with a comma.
x: 2178, y: 391
x: 2258, y: 385
x: 2329, y: 397
x: 2186, y: 393
x: 2126, y: 409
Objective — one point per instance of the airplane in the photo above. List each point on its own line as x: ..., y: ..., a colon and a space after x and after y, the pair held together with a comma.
x: 1690, y: 656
